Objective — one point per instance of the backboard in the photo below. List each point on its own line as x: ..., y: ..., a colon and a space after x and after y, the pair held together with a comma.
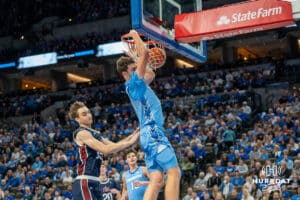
x: 155, y: 19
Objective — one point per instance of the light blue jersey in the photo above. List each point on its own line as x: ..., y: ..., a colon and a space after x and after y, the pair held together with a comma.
x: 135, y: 193
x: 149, y: 113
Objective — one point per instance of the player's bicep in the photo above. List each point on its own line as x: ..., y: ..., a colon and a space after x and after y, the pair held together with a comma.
x: 106, y: 141
x: 85, y: 137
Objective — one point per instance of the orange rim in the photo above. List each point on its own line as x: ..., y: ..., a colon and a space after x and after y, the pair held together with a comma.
x: 130, y: 41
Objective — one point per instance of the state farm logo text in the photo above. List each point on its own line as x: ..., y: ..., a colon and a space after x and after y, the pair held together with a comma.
x: 250, y: 15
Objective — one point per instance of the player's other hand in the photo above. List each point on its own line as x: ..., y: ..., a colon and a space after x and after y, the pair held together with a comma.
x: 135, y: 135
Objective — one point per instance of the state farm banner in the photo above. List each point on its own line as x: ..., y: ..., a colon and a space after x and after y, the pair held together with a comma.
x: 231, y: 20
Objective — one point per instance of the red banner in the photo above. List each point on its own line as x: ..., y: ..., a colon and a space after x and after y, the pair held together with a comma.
x: 231, y: 20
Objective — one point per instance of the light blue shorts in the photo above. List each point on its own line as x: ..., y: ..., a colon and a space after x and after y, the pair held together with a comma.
x: 163, y: 161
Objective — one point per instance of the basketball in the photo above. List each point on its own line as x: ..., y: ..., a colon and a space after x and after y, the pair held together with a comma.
x: 157, y: 57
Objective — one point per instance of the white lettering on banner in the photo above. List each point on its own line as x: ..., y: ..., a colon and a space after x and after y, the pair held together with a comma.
x: 250, y: 15
x: 232, y: 33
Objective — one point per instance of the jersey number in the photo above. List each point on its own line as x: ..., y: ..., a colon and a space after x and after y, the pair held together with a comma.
x: 107, y: 196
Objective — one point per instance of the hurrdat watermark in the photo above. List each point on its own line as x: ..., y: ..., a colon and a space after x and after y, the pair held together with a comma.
x: 271, y: 175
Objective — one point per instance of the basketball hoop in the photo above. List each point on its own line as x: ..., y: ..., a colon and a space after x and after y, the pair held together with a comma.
x: 157, y: 53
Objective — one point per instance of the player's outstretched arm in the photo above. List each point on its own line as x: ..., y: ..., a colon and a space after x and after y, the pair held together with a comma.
x: 85, y: 137
x: 142, y: 53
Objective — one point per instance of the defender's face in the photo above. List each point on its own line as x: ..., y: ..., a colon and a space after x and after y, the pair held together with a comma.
x: 103, y: 170
x: 84, y: 116
x: 131, y: 158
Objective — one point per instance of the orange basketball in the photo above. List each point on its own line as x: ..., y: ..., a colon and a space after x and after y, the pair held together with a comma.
x: 157, y: 57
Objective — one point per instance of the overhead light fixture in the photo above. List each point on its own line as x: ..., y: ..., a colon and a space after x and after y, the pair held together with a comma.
x: 77, y: 79
x: 181, y: 63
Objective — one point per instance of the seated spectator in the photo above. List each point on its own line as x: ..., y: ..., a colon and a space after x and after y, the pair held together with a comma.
x: 199, y: 181
x: 68, y: 192
x: 203, y: 190
x: 256, y: 192
x: 297, y: 195
x: 57, y: 195
x: 285, y: 192
x: 38, y: 164
x: 218, y: 168
x: 195, y: 196
x: 289, y: 162
x: 188, y: 169
x: 8, y: 195
x: 285, y: 172
x: 294, y: 180
x: 246, y: 108
x: 214, y: 191
x: 67, y: 178
x: 226, y: 187
x: 264, y: 154
x: 246, y: 195
x: 234, y: 195
x: 237, y: 180
x: 248, y: 183
x: 230, y: 168
x: 231, y: 155
x: 27, y: 193
x: 244, y: 156
x: 215, y: 179
x: 242, y: 167
x: 189, y: 193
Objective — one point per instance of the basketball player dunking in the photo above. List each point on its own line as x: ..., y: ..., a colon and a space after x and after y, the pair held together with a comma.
x: 159, y: 154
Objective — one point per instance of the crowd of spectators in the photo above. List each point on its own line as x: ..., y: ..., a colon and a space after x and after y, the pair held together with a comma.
x: 18, y: 17
x: 219, y: 158
x: 215, y: 86
x: 62, y: 45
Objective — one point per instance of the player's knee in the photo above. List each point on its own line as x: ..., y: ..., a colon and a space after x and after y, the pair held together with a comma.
x: 158, y: 182
x: 174, y: 172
